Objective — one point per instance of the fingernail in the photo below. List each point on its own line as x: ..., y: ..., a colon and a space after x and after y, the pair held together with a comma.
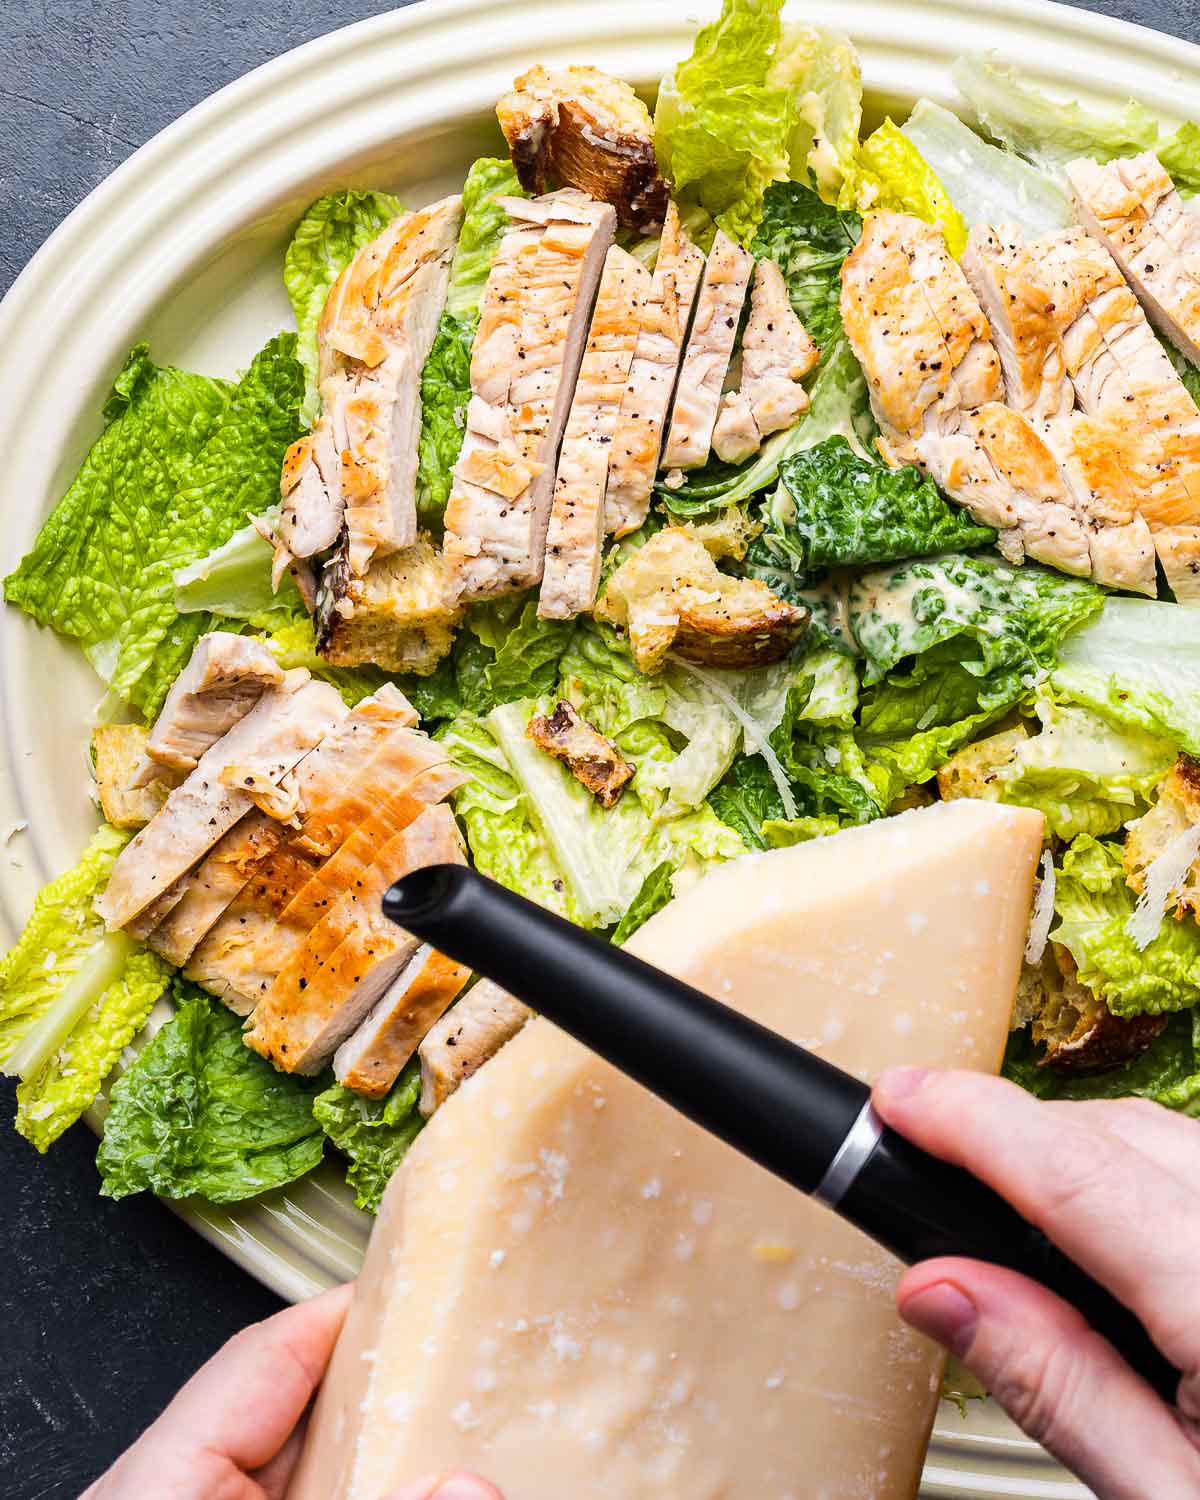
x: 463, y: 1487
x: 944, y: 1313
x: 902, y: 1083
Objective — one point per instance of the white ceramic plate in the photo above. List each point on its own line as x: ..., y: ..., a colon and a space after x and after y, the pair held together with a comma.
x: 183, y: 245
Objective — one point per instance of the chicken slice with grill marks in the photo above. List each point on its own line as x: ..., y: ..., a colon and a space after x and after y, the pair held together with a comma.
x: 936, y: 389
x: 283, y: 726
x: 709, y: 349
x: 777, y: 353
x: 464, y: 1039
x: 1126, y: 383
x: 1028, y: 325
x: 575, y: 533
x: 637, y: 440
x: 221, y: 683
x: 291, y: 889
x: 350, y: 957
x: 370, y: 1060
x: 1133, y: 209
x: 527, y: 353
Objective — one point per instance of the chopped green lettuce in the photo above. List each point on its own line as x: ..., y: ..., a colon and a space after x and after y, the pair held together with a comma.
x: 1138, y: 664
x: 446, y: 375
x: 71, y: 996
x: 527, y: 657
x: 808, y: 240
x: 1180, y: 154
x: 821, y: 70
x: 182, y: 464
x: 835, y: 509
x: 234, y: 581
x: 654, y: 894
x: 373, y: 1134
x: 1083, y: 774
x: 986, y: 184
x: 1009, y: 619
x: 198, y: 1113
x: 723, y: 121
x: 326, y: 240
x: 1093, y: 905
x: 893, y: 174
x: 1050, y: 132
x: 1167, y: 1072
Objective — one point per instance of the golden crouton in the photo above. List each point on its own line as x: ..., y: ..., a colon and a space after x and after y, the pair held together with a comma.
x: 670, y: 594
x: 119, y: 755
x: 399, y: 616
x: 1080, y: 1033
x: 1176, y: 810
x: 590, y: 756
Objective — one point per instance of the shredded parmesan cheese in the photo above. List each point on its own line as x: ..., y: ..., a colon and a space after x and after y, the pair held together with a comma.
x: 1164, y: 878
x: 754, y: 735
x: 1043, y: 912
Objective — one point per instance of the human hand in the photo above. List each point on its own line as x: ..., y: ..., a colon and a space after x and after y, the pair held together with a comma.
x: 1116, y: 1185
x: 235, y: 1431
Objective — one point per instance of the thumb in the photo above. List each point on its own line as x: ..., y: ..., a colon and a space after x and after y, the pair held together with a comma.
x: 1057, y: 1378
x: 448, y: 1487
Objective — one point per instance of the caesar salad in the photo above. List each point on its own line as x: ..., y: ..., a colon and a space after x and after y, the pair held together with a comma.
x: 691, y: 483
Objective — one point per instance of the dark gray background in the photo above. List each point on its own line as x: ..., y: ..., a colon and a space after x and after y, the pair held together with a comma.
x: 106, y: 1308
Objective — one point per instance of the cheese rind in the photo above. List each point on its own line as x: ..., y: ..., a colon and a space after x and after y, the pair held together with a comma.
x: 573, y: 1290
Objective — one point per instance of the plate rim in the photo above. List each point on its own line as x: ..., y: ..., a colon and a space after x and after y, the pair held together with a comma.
x: 226, y: 114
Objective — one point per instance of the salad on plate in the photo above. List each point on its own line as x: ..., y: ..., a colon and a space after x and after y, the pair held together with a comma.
x: 691, y: 483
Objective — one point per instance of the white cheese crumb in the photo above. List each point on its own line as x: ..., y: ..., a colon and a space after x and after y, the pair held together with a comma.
x: 788, y: 1296
x: 702, y: 1212
x: 1164, y: 876
x: 497, y: 1258
x: 775, y: 1381
x: 464, y: 1416
x: 1043, y: 913
x: 652, y: 1189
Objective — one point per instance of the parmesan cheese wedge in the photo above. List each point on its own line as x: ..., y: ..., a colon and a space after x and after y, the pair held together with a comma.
x: 575, y: 1292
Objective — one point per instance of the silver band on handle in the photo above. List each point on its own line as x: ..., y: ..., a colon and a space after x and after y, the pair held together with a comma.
x: 861, y: 1139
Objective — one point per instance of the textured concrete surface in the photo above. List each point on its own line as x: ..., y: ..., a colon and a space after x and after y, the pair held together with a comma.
x: 106, y: 1308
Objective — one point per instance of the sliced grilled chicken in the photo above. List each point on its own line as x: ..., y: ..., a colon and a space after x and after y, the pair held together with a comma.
x: 221, y: 683
x: 291, y: 890
x: 131, y: 788
x: 464, y: 1039
x: 637, y: 440
x: 282, y: 727
x: 777, y: 354
x: 937, y: 390
x: 350, y: 956
x: 358, y: 468
x: 370, y: 1061
x: 400, y: 615
x: 575, y: 533
x: 709, y: 349
x: 1026, y: 331
x: 527, y: 354
x: 1128, y: 385
x: 1134, y: 210
x: 217, y: 880
x: 581, y: 128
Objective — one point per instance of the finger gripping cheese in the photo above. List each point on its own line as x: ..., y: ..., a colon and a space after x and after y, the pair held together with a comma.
x: 576, y: 1292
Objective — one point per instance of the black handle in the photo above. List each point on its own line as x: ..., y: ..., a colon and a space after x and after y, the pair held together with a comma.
x: 777, y: 1103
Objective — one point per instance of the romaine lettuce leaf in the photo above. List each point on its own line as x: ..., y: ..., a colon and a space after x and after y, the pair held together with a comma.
x: 527, y: 658
x: 176, y: 473
x: 326, y: 240
x: 373, y: 1134
x: 808, y: 240
x: 653, y: 896
x: 835, y: 509
x: 234, y: 580
x: 821, y: 70
x: 986, y: 184
x: 198, y: 1113
x: 1180, y: 154
x: 1138, y: 664
x: 1050, y: 132
x: 893, y: 174
x: 1008, y: 620
x: 446, y: 375
x: 723, y: 121
x: 293, y: 644
x: 1168, y: 1072
x: 71, y: 996
x: 1093, y: 905
x: 1083, y: 774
